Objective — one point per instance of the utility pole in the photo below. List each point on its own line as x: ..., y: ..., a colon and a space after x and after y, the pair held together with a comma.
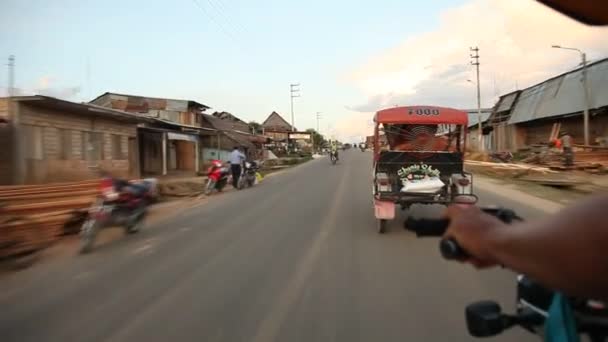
x: 585, y: 90
x: 475, y: 62
x: 318, y: 118
x: 294, y: 92
x: 11, y: 75
x: 587, y: 99
x: 318, y: 132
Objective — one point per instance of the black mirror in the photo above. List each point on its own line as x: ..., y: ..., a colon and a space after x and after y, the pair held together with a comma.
x: 484, y: 319
x: 533, y: 293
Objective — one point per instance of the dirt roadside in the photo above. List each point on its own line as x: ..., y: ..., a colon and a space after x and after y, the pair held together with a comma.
x: 187, y: 193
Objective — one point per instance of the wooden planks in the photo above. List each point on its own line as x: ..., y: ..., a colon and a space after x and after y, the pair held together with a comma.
x: 34, y: 216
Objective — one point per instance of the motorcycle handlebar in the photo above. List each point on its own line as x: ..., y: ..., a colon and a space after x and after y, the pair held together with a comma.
x: 449, y: 248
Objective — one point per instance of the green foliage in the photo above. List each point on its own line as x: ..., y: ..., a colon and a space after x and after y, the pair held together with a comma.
x: 256, y: 127
x: 318, y: 140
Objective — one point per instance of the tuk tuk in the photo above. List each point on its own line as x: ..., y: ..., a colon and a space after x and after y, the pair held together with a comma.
x: 418, y: 159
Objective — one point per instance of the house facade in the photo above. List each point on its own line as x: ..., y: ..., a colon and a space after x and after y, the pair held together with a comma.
x: 171, y: 143
x: 52, y: 140
x: 230, y: 132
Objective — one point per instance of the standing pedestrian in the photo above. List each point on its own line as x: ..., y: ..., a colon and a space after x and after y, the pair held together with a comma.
x: 236, y: 160
x: 566, y: 141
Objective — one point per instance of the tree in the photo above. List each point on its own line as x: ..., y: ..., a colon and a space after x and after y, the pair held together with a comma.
x: 256, y: 128
x: 318, y: 141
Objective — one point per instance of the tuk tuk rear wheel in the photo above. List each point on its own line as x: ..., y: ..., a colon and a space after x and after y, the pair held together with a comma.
x: 382, y: 223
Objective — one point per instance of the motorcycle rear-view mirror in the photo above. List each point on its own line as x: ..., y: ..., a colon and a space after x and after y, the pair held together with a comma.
x: 485, y: 319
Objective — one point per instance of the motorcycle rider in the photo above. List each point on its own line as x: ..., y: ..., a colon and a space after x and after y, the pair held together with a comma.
x: 565, y: 251
x: 334, y: 149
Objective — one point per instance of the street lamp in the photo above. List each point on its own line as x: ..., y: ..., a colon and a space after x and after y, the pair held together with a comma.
x: 585, y: 90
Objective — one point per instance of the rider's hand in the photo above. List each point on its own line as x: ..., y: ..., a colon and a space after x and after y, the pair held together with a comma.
x: 476, y: 232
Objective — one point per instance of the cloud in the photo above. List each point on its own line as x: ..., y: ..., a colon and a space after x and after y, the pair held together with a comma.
x: 514, y: 38
x: 47, y: 85
x: 355, y: 128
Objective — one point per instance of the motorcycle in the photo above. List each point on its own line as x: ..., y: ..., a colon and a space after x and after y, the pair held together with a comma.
x: 217, y: 177
x: 333, y: 157
x: 248, y: 175
x: 533, y: 301
x: 120, y: 203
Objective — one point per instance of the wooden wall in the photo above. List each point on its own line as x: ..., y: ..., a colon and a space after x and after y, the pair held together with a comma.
x: 53, y: 127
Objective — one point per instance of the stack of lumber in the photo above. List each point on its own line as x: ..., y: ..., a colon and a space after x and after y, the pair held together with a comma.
x: 34, y: 216
x: 588, y: 158
x: 506, y: 169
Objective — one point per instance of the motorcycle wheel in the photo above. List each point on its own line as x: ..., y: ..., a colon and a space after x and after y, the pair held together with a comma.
x: 382, y: 226
x: 88, y: 232
x: 209, y: 187
x: 251, y: 181
x: 136, y: 226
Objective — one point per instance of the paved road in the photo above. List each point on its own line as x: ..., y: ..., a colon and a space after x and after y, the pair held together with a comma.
x: 294, y: 259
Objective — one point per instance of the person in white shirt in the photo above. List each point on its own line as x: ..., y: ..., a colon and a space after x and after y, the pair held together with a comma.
x: 236, y: 161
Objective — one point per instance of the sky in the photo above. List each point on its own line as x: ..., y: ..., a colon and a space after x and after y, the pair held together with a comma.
x: 350, y: 58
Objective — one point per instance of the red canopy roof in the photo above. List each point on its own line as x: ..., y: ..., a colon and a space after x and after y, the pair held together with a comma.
x: 426, y: 115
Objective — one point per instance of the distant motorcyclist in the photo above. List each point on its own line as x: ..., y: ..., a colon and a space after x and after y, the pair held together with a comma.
x: 333, y: 149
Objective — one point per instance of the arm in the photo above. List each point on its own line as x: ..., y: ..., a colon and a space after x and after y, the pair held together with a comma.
x: 567, y: 251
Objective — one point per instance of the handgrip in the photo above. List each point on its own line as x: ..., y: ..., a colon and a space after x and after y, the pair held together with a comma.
x: 451, y: 250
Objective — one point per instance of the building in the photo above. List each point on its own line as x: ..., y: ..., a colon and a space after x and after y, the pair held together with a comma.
x: 283, y: 136
x: 277, y: 128
x: 527, y: 116
x: 51, y: 140
x: 186, y: 112
x: 170, y: 143
x: 236, y: 124
x: 228, y: 134
x: 473, y: 128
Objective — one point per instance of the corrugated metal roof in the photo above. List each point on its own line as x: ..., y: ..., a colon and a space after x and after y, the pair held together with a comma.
x: 143, y: 98
x: 474, y: 118
x: 562, y: 95
x: 80, y: 108
x: 506, y: 102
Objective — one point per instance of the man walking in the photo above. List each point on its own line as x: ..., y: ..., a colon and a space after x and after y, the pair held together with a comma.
x: 566, y: 142
x: 236, y: 160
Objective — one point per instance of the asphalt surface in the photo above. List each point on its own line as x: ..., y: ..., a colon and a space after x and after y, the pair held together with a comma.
x: 296, y: 258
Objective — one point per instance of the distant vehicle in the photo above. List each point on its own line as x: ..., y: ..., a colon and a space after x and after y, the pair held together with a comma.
x: 333, y: 157
x: 248, y: 175
x: 422, y: 160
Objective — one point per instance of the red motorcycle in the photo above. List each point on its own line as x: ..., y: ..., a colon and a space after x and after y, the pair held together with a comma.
x: 217, y: 177
x: 120, y: 203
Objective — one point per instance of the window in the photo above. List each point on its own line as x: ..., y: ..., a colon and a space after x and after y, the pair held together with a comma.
x: 117, y: 152
x: 65, y: 144
x: 32, y: 142
x: 92, y: 145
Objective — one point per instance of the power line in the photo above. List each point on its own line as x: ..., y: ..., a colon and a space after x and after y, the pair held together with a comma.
x: 212, y: 18
x: 221, y: 10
